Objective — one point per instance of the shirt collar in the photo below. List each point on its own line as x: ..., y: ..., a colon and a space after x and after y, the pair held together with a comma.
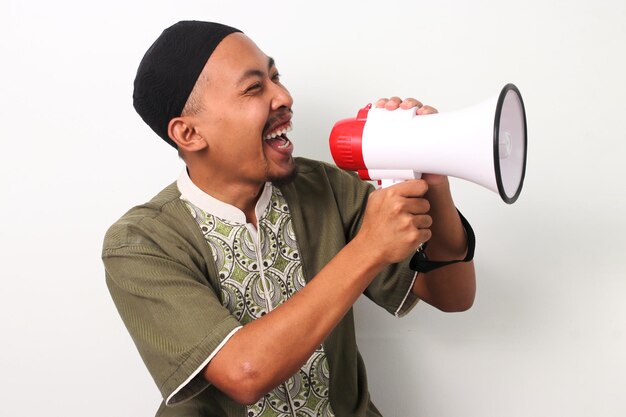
x: 193, y: 194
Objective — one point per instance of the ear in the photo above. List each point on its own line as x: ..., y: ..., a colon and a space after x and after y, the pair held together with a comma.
x: 183, y: 133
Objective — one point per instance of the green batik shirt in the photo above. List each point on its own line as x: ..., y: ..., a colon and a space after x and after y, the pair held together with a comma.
x: 259, y: 269
x: 184, y: 281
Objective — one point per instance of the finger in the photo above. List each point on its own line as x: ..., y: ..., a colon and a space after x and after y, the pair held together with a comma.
x: 425, y: 235
x: 409, y: 103
x: 422, y: 221
x: 381, y: 102
x: 417, y: 206
x: 426, y: 110
x: 393, y: 103
x: 410, y: 188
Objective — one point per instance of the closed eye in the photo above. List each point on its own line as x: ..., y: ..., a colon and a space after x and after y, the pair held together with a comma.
x: 254, y: 87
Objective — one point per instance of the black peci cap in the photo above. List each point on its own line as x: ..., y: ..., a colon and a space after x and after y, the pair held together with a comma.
x: 170, y: 68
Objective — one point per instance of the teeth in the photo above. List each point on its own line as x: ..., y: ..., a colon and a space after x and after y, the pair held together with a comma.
x: 276, y: 133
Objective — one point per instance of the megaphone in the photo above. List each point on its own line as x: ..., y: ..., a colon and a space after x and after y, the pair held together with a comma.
x: 485, y: 144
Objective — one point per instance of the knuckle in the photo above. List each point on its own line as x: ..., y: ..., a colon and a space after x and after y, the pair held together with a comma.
x: 392, y: 191
x: 396, y: 207
x: 412, y: 236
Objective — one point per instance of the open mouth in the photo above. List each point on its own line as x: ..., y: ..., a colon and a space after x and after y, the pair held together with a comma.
x: 277, y: 137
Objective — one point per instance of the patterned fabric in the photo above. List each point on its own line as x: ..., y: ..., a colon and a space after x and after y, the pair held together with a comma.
x: 258, y: 271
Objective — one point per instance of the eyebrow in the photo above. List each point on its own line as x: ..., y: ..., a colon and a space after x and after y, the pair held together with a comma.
x: 256, y: 72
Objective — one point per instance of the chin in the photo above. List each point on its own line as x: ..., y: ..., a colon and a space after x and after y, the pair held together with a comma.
x: 284, y: 178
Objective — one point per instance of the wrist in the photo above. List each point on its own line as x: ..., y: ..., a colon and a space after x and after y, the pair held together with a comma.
x: 436, y: 181
x: 421, y: 262
x: 439, y: 187
x: 365, y: 254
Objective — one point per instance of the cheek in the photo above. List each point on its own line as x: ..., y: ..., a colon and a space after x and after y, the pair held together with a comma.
x: 237, y: 144
x: 237, y: 132
x: 242, y: 121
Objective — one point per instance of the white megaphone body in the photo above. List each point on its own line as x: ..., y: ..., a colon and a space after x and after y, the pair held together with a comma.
x: 485, y: 144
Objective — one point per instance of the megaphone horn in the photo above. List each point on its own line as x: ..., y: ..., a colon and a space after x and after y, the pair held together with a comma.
x: 485, y: 143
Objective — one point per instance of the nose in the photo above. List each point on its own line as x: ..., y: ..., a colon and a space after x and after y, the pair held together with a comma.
x: 281, y: 97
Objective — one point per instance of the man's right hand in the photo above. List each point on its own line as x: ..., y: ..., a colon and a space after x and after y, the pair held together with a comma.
x: 396, y: 221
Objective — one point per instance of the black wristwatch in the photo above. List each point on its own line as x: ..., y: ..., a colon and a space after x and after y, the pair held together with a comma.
x: 421, y: 263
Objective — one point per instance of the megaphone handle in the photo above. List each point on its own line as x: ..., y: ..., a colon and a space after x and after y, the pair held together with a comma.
x: 387, y: 182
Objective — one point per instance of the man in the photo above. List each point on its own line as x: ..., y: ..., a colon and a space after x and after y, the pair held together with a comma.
x: 237, y: 282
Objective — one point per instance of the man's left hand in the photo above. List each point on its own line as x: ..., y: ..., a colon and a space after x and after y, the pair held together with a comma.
x: 394, y: 103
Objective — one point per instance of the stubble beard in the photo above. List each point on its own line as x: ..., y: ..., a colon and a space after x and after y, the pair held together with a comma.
x: 283, y: 179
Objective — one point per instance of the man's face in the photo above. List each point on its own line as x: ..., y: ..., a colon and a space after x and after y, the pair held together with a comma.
x: 245, y: 114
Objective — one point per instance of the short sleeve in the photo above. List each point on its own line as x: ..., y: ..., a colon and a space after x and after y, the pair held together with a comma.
x: 174, y: 317
x: 392, y: 289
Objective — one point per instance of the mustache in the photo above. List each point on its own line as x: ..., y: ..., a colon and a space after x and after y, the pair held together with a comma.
x: 281, y: 116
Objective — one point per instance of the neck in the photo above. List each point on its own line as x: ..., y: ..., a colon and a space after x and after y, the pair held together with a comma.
x: 242, y: 195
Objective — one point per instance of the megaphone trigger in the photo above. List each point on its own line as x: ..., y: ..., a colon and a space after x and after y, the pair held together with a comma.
x: 388, y: 178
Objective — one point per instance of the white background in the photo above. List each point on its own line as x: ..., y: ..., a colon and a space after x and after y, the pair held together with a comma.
x: 547, y: 334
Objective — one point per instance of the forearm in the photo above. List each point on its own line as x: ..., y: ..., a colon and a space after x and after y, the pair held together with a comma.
x: 452, y: 287
x: 267, y: 351
x: 449, y: 240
